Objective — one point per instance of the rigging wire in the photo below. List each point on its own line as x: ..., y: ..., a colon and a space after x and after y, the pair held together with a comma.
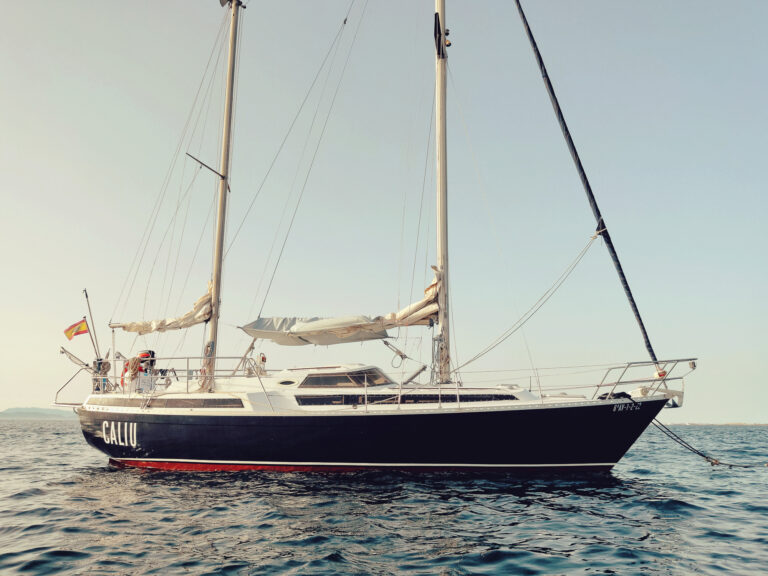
x: 146, y: 234
x: 208, y: 220
x: 596, y: 366
x: 427, y: 156
x: 167, y: 268
x: 424, y: 283
x: 489, y: 213
x: 314, y: 156
x: 290, y: 130
x: 203, y: 114
x: 201, y: 110
x: 180, y: 198
x: 208, y: 99
x: 455, y: 359
x: 332, y: 51
x: 536, y: 306
x: 400, y: 251
x: 181, y: 341
x: 178, y: 255
x: 418, y: 96
x: 163, y: 311
x: 167, y: 230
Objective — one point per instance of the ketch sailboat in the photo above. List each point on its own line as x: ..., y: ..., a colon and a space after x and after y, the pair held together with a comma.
x: 215, y: 413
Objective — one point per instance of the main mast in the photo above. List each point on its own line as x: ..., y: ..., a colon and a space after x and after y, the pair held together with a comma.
x: 443, y: 341
x: 218, y: 251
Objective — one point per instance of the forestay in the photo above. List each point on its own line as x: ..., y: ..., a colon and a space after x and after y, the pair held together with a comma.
x: 327, y: 331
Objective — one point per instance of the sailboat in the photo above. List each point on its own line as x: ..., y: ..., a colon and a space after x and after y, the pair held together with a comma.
x: 214, y: 413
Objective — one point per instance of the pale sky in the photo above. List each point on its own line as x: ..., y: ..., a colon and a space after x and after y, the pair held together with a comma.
x: 665, y: 101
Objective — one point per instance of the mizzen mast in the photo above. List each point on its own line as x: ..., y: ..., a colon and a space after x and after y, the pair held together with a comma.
x: 442, y: 357
x: 218, y: 251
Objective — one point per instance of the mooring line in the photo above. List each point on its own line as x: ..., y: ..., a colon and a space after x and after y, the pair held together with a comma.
x: 713, y: 461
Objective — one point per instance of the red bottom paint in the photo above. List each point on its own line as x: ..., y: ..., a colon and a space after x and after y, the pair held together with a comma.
x: 219, y: 467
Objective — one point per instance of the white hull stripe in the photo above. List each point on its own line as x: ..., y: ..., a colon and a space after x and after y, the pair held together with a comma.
x: 364, y: 464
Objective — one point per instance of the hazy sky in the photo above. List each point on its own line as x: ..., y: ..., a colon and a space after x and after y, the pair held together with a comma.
x: 665, y: 100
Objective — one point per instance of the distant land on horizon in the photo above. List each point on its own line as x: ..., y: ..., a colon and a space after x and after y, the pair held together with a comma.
x: 37, y: 414
x: 720, y: 424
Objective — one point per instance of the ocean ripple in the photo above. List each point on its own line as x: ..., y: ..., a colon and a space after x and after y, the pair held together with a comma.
x: 661, y: 511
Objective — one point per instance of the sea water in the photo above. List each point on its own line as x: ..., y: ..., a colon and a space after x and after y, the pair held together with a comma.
x: 662, y: 510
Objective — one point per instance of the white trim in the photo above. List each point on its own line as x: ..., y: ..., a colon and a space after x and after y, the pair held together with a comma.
x: 362, y: 464
x: 379, y: 410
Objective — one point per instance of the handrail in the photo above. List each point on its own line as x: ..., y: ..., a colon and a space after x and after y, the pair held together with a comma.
x: 56, y: 398
x: 664, y: 368
x: 622, y: 375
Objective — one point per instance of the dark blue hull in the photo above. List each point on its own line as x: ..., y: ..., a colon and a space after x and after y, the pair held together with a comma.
x: 593, y: 436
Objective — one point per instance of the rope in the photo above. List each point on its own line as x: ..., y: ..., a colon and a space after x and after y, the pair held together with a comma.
x: 713, y: 461
x: 536, y: 307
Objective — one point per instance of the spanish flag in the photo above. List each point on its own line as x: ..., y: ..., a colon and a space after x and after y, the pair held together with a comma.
x: 80, y: 327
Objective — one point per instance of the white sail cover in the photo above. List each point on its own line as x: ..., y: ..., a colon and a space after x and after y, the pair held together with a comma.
x: 327, y: 331
x: 201, y: 312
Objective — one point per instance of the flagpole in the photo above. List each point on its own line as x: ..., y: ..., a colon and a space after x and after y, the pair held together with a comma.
x: 91, y: 333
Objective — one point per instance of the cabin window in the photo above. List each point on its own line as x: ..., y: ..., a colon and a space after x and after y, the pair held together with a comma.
x: 355, y: 379
x: 374, y: 378
x: 322, y: 400
x: 326, y: 381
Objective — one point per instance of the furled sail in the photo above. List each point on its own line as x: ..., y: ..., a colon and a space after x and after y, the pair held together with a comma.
x: 201, y: 312
x: 327, y: 331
